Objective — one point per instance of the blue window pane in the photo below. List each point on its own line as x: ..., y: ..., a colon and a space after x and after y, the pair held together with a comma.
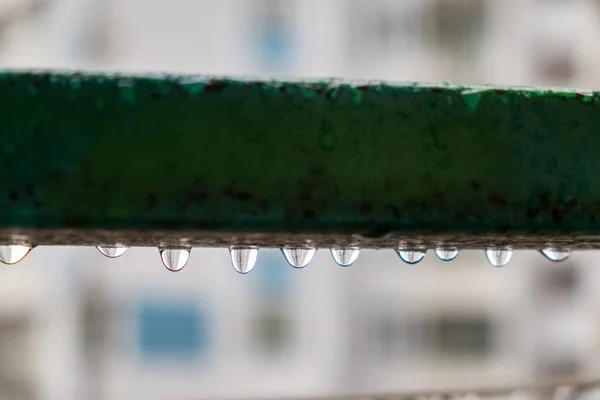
x: 274, y: 45
x: 171, y: 330
x: 273, y: 33
x: 273, y: 273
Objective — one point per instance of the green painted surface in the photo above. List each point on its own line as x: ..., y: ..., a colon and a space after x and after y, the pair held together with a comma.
x: 192, y: 153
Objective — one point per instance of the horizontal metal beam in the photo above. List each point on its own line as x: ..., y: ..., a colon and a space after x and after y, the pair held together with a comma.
x: 147, y: 160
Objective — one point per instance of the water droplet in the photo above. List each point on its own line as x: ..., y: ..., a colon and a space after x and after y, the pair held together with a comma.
x: 14, y: 253
x: 411, y: 256
x: 446, y: 254
x: 556, y: 254
x: 175, y: 258
x: 498, y: 257
x: 112, y: 251
x: 298, y: 257
x: 346, y: 256
x: 243, y: 258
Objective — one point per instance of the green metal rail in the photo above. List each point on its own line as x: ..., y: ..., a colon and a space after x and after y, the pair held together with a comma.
x: 183, y: 160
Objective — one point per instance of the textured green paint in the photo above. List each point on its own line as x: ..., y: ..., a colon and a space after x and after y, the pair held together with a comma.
x: 192, y: 153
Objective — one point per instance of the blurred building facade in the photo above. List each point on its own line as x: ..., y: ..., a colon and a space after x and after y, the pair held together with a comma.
x: 513, y: 42
x: 75, y: 325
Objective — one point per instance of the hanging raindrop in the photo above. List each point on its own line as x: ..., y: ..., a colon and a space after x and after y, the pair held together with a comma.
x: 299, y: 257
x: 243, y: 258
x: 112, y: 251
x: 446, y: 254
x: 411, y: 256
x: 556, y: 254
x: 175, y: 258
x: 345, y: 256
x: 498, y: 257
x: 12, y: 254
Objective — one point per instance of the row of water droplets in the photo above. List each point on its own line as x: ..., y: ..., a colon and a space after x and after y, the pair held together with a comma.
x: 244, y: 258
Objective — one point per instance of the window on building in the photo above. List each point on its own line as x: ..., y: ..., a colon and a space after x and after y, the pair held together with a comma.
x: 272, y: 331
x: 554, y: 65
x: 171, y: 330
x: 95, y: 322
x: 380, y: 28
x: 562, y: 280
x: 15, y: 363
x: 273, y: 33
x: 458, y: 24
x: 395, y: 336
x: 567, y: 366
x: 461, y: 336
x: 274, y: 276
x: 14, y: 12
x: 554, y: 282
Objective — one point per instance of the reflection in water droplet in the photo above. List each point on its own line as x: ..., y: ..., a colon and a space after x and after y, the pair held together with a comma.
x: 346, y: 256
x: 243, y: 258
x: 556, y: 254
x: 112, y: 251
x: 446, y: 254
x: 12, y: 254
x: 298, y: 257
x: 498, y: 257
x: 175, y: 258
x: 411, y: 256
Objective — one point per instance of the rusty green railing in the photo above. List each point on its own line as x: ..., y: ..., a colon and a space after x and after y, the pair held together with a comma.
x: 99, y: 159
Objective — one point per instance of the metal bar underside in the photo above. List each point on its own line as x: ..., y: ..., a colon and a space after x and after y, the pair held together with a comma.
x: 147, y: 160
